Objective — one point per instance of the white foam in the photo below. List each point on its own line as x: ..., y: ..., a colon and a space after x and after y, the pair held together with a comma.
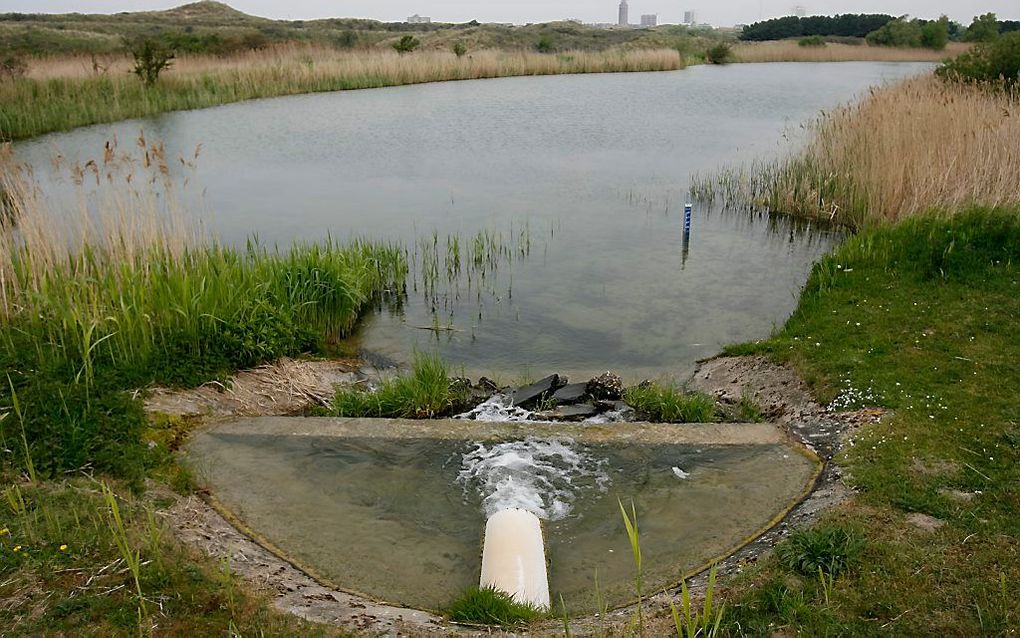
x: 541, y: 476
x: 499, y: 408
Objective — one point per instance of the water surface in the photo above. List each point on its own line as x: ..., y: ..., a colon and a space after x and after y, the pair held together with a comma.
x: 579, y: 180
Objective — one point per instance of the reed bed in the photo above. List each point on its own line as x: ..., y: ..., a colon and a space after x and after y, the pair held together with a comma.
x: 791, y: 51
x: 919, y: 147
x: 124, y: 291
x: 60, y: 94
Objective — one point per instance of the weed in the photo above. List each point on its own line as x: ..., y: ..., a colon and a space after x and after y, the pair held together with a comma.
x: 489, y: 606
x: 666, y: 403
x: 829, y: 549
x: 748, y: 409
x: 689, y: 622
x: 425, y: 393
x: 631, y: 523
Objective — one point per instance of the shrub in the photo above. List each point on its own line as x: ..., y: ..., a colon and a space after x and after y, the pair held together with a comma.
x: 489, y: 606
x: 459, y: 49
x: 984, y: 28
x: 151, y: 58
x: 813, y: 41
x: 993, y: 62
x: 545, y: 44
x: 721, y: 53
x: 833, y: 550
x: 935, y: 34
x: 406, y: 44
x: 669, y: 404
x: 12, y: 67
x: 897, y: 33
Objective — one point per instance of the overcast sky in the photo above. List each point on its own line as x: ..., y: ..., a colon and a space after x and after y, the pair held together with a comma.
x: 717, y: 12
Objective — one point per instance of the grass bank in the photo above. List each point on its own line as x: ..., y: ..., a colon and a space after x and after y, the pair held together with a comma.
x: 792, y: 51
x: 920, y: 318
x: 63, y: 94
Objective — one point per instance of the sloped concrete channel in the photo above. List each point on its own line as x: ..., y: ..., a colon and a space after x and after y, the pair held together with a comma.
x: 373, y: 508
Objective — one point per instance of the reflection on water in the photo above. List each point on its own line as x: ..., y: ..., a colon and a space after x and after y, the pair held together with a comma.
x: 390, y: 518
x: 588, y: 174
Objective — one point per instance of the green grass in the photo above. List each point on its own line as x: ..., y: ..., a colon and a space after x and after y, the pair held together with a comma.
x: 920, y: 318
x: 489, y: 606
x: 62, y: 572
x: 832, y: 549
x: 667, y: 403
x: 424, y: 394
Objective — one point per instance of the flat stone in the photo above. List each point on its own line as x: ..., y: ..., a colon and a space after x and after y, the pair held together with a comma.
x: 531, y: 394
x: 569, y: 413
x: 571, y: 393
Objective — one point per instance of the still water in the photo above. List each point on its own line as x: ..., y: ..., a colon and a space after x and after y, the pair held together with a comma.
x: 575, y: 185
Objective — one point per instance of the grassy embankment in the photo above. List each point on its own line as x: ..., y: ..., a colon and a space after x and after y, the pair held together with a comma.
x: 59, y: 94
x: 917, y: 312
x: 96, y: 305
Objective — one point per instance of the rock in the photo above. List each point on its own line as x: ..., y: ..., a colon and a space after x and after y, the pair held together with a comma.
x: 571, y: 393
x: 488, y: 385
x: 531, y: 394
x: 606, y: 386
x: 460, y: 384
x: 578, y: 412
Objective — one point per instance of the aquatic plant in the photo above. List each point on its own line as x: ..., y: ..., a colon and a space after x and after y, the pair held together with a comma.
x: 874, y: 161
x: 490, y: 606
x: 668, y: 403
x: 424, y: 394
x: 793, y: 51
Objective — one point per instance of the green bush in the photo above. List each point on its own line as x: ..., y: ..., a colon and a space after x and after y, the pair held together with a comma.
x: 459, y: 49
x: 489, y: 606
x: 984, y: 28
x: 990, y: 62
x: 813, y: 41
x: 897, y: 33
x: 670, y: 404
x: 721, y: 53
x: 406, y: 44
x: 833, y: 550
x: 151, y: 57
x: 545, y: 44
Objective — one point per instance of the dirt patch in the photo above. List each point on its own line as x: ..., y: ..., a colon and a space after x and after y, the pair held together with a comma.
x: 785, y: 399
x: 287, y: 386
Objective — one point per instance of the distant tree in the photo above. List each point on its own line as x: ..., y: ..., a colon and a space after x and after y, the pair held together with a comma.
x: 847, y: 25
x: 1009, y: 26
x: 935, y: 34
x: 984, y: 28
x: 152, y: 57
x: 406, y: 44
x: 459, y: 49
x: 993, y: 63
x: 721, y: 53
x: 545, y: 44
x: 898, y: 33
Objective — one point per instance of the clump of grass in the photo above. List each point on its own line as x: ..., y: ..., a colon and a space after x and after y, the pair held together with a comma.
x: 490, y: 606
x: 748, y: 409
x: 832, y: 549
x: 424, y: 394
x: 668, y: 403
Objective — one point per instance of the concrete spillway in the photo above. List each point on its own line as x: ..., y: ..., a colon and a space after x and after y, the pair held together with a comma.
x: 513, y: 557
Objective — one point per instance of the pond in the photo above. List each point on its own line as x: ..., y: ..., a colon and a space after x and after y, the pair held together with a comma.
x: 544, y: 214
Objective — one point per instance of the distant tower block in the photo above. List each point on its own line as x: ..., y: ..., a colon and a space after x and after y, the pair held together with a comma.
x: 649, y: 20
x: 690, y: 18
x: 800, y: 11
x: 624, y: 13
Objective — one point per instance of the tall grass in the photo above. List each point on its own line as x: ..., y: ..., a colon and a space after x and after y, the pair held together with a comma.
x: 792, y: 51
x: 918, y: 147
x: 120, y: 291
x: 65, y: 93
x: 423, y: 394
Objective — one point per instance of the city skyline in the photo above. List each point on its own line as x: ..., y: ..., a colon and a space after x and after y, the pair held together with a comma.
x: 725, y: 13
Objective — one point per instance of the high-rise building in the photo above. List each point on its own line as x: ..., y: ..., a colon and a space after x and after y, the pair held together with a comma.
x: 690, y: 18
x: 649, y: 20
x: 800, y: 11
x: 624, y: 14
x: 417, y: 19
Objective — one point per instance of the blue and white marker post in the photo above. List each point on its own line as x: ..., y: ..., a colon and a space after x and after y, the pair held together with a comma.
x: 688, y: 209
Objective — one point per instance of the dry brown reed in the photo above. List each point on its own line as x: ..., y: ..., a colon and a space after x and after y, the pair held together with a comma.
x: 791, y: 51
x: 919, y: 147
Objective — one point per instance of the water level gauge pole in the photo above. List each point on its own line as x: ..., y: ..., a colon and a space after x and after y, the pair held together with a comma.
x: 688, y: 209
x: 513, y: 557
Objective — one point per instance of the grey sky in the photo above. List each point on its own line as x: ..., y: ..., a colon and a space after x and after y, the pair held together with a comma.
x: 718, y: 12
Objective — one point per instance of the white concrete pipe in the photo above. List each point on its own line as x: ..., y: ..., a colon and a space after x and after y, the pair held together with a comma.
x: 513, y: 557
